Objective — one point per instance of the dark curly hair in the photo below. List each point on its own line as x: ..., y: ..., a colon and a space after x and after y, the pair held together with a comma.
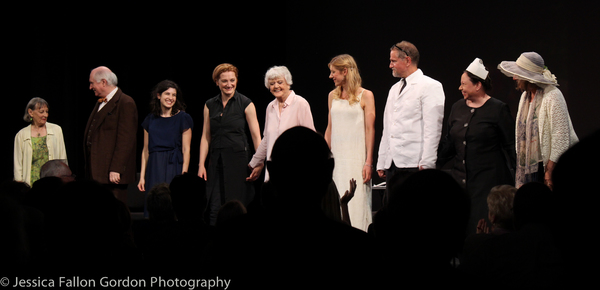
x: 158, y: 90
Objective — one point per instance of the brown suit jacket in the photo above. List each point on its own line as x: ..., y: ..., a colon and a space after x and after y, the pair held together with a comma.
x: 110, y: 140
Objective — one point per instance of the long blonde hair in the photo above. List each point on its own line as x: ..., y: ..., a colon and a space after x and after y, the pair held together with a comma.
x: 353, y: 79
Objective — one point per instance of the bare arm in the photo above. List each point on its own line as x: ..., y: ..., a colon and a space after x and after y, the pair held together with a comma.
x: 145, y: 154
x: 368, y: 100
x: 204, y: 143
x: 328, y: 130
x: 253, y: 125
x: 186, y: 140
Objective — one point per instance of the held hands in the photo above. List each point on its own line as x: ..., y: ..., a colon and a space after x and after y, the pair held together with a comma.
x: 255, y: 172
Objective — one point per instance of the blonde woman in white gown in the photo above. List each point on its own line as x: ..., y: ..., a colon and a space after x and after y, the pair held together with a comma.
x: 350, y: 134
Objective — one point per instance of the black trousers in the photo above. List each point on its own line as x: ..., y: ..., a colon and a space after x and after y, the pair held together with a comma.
x: 393, y: 176
x: 227, y: 171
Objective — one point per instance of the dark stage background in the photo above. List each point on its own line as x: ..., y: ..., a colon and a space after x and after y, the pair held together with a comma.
x: 51, y: 51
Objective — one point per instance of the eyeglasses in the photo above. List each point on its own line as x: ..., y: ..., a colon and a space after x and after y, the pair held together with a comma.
x: 399, y: 48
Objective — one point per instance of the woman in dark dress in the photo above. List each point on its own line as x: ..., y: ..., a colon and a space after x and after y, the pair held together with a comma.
x: 480, y: 141
x: 167, y: 137
x: 225, y: 143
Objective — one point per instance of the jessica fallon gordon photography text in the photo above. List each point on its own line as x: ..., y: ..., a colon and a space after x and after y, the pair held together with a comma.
x: 127, y: 282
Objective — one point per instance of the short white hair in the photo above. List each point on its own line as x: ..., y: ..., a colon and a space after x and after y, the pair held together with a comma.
x: 276, y: 72
x: 106, y: 74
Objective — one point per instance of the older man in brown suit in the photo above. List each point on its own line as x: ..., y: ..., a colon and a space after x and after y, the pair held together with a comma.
x: 110, y: 135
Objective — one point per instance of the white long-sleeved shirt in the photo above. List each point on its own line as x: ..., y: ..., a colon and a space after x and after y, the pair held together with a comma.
x: 412, y: 123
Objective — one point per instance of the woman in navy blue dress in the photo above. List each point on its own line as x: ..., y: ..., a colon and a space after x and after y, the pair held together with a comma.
x: 167, y: 137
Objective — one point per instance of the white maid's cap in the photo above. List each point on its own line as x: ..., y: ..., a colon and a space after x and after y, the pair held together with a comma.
x: 477, y: 68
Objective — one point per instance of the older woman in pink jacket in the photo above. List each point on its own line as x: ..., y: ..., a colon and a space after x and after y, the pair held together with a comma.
x: 287, y: 110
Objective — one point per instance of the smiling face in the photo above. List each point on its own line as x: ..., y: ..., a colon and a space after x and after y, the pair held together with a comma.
x: 96, y: 87
x: 279, y: 87
x: 39, y: 115
x: 168, y: 98
x: 227, y: 83
x: 467, y: 87
x: 337, y: 76
x: 101, y: 89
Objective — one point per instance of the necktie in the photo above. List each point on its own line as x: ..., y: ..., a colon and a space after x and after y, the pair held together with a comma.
x: 403, y: 85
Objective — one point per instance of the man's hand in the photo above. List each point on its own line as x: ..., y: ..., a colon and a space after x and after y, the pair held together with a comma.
x: 114, y: 177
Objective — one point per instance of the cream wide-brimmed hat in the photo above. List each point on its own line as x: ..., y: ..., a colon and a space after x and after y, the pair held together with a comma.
x: 530, y: 67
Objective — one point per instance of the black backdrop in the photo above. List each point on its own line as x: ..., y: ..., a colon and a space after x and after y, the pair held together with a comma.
x: 51, y: 51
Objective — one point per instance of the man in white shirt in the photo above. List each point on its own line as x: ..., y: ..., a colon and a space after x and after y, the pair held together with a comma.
x: 412, y: 119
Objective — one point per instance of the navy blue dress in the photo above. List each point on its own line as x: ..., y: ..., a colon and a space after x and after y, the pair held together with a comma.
x: 165, y: 159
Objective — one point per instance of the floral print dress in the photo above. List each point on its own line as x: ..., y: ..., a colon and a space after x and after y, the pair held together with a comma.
x: 39, y: 156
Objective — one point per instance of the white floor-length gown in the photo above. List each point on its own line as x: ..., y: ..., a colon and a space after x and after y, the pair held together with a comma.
x: 349, y: 152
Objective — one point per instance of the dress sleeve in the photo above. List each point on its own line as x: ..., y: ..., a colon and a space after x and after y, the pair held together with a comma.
x: 305, y: 116
x: 187, y: 122
x: 146, y: 123
x: 261, y: 153
x: 507, y: 131
x: 560, y: 127
x: 446, y: 149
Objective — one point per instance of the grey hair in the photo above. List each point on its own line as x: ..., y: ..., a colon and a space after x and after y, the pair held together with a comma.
x: 55, y: 167
x: 276, y: 72
x: 33, y: 103
x: 108, y: 75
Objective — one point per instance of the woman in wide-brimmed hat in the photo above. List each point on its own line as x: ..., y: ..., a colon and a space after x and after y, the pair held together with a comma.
x: 543, y: 127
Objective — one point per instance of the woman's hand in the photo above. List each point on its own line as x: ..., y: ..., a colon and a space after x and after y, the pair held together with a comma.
x: 202, y: 172
x: 255, y: 172
x: 141, y: 185
x: 366, y: 173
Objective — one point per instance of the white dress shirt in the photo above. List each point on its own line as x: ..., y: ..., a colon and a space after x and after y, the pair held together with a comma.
x: 108, y: 97
x: 412, y: 123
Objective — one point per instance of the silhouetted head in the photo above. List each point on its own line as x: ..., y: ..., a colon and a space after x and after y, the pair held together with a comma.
x: 534, y: 203
x: 301, y: 167
x: 427, y: 216
x: 188, y: 194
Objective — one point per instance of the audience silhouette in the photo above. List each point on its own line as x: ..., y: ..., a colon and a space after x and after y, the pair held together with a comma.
x: 578, y: 199
x: 78, y: 227
x: 422, y: 229
x: 291, y: 241
x: 527, y: 257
